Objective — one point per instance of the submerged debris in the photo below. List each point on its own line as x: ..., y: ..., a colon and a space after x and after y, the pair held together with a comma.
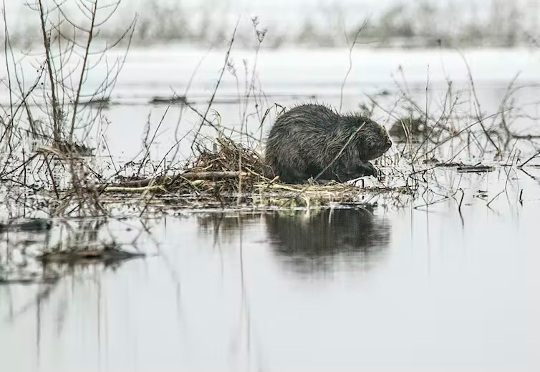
x: 107, y: 255
x: 29, y: 225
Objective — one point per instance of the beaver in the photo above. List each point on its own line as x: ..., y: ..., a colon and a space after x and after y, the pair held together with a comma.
x: 313, y: 140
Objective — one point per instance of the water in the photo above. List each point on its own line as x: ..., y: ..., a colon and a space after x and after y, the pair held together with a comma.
x: 160, y: 72
x: 416, y: 287
x: 383, y: 288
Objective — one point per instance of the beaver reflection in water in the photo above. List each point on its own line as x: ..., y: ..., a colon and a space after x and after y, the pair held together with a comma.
x: 306, y: 140
x: 310, y: 241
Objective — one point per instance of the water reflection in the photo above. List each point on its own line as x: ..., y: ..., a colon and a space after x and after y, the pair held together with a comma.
x: 213, y: 298
x: 225, y: 224
x: 314, y: 241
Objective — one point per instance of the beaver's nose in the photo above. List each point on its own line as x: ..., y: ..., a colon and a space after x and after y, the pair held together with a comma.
x: 389, y: 143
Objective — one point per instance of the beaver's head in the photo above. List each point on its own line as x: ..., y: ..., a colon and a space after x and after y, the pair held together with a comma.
x: 372, y: 140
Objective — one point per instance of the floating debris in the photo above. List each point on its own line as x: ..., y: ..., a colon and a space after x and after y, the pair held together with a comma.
x: 107, y: 255
x: 99, y: 102
x: 475, y: 169
x: 30, y: 225
x: 63, y: 148
x: 30, y: 280
x: 450, y: 165
x: 175, y: 100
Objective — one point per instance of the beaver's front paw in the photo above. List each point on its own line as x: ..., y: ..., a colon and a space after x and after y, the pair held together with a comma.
x: 369, y: 170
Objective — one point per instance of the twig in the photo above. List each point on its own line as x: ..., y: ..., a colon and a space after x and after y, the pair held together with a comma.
x: 351, y: 47
x: 217, y: 85
x: 133, y: 189
x: 479, y: 111
x: 48, y: 59
x: 83, y: 69
x: 529, y: 159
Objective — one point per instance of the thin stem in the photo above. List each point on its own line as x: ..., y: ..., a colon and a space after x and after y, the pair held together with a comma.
x: 83, y: 70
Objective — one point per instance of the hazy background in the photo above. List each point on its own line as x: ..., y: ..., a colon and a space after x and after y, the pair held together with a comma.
x: 421, y: 23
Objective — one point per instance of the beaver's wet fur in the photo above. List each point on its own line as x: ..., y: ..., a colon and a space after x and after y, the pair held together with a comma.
x: 307, y: 138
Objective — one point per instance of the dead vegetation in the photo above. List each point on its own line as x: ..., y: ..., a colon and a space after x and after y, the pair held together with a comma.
x: 231, y: 172
x: 48, y: 171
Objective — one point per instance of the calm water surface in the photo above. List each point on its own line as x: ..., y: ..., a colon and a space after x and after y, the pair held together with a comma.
x: 418, y: 288
x: 378, y: 288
